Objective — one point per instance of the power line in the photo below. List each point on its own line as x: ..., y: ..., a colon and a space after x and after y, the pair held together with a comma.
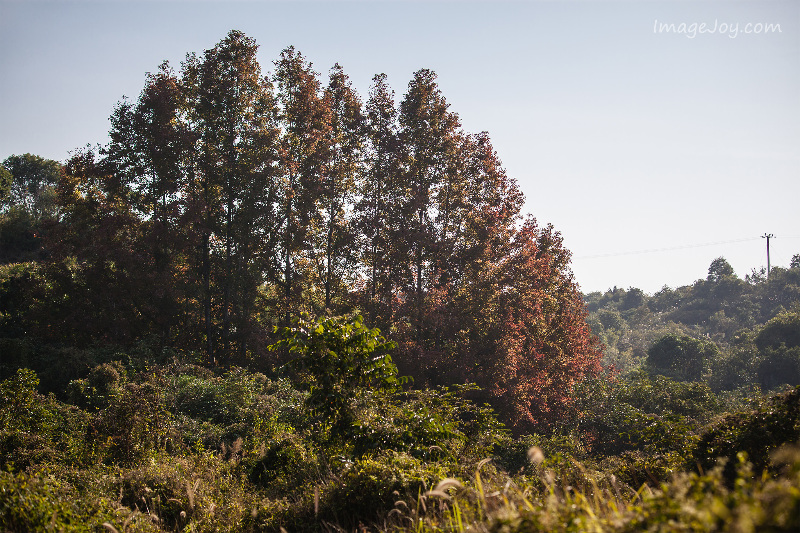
x: 657, y: 250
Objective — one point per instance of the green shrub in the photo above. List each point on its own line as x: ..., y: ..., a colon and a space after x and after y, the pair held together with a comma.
x: 639, y: 412
x: 681, y: 356
x: 47, y: 500
x: 36, y: 428
x: 335, y: 359
x: 370, y: 487
x: 286, y: 462
x: 135, y: 423
x: 513, y: 455
x: 758, y: 433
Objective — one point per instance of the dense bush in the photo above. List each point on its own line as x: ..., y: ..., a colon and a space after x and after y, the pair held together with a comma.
x: 681, y: 356
x: 757, y: 433
x: 127, y: 453
x: 37, y: 429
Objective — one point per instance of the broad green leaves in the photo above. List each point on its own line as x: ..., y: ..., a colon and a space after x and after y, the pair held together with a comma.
x: 337, y: 358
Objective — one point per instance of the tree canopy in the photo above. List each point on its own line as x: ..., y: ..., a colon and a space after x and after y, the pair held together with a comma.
x: 230, y: 201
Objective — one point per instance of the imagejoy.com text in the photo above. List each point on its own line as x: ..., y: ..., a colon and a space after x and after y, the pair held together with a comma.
x: 731, y: 29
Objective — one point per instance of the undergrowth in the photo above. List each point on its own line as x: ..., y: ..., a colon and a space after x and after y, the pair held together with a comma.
x: 170, y: 446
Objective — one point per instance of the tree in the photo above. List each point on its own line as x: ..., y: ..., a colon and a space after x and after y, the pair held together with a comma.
x: 428, y: 135
x: 783, y: 329
x: 6, y: 179
x: 719, y: 270
x: 96, y: 284
x: 235, y: 117
x: 378, y: 217
x: 32, y: 186
x: 544, y: 346
x: 149, y: 155
x: 302, y: 149
x: 334, y: 248
x: 681, y: 356
x: 336, y: 358
x: 27, y: 205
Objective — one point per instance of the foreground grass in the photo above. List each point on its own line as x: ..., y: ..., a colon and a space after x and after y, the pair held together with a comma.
x: 689, y: 502
x: 208, y: 493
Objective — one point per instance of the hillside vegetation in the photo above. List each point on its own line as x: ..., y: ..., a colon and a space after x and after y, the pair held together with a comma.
x: 728, y: 332
x: 266, y: 306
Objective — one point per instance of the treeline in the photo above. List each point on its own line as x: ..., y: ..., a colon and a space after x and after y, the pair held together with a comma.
x: 728, y: 332
x: 228, y: 203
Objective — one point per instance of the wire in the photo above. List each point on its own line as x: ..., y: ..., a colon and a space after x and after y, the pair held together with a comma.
x: 657, y: 250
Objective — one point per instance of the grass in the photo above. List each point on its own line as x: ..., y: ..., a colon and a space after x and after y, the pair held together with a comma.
x: 697, y: 502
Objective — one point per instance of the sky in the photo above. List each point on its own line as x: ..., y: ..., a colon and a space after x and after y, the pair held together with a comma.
x: 655, y: 136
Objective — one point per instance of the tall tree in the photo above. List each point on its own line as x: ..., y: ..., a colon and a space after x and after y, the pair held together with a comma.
x: 303, y: 150
x: 544, y: 346
x: 148, y: 158
x: 234, y: 114
x: 378, y: 210
x: 428, y: 132
x: 334, y: 249
x: 99, y: 286
x: 31, y: 186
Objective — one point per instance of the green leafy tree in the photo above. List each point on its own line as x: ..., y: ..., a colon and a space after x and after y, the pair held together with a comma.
x: 337, y: 358
x: 681, y: 356
x: 33, y: 184
x: 27, y: 199
x: 778, y: 345
x: 98, y: 287
x: 719, y: 269
x: 783, y: 329
x: 6, y: 178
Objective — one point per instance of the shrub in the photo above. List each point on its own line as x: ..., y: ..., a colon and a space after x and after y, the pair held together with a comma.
x: 370, y: 487
x: 759, y: 433
x: 286, y: 462
x: 335, y: 358
x: 681, y: 356
x: 36, y: 428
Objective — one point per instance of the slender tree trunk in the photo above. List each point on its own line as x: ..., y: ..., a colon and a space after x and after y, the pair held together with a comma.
x: 288, y: 246
x: 419, y: 275
x: 329, y: 274
x: 207, y: 293
x: 329, y: 244
x: 226, y: 297
x: 373, y: 305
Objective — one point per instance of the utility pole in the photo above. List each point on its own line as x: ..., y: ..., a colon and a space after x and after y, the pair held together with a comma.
x: 768, y: 236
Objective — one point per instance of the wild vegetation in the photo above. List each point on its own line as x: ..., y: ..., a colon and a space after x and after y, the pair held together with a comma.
x: 264, y: 306
x: 728, y: 332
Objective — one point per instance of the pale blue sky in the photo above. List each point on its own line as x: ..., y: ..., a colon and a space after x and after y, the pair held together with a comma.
x: 625, y: 138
